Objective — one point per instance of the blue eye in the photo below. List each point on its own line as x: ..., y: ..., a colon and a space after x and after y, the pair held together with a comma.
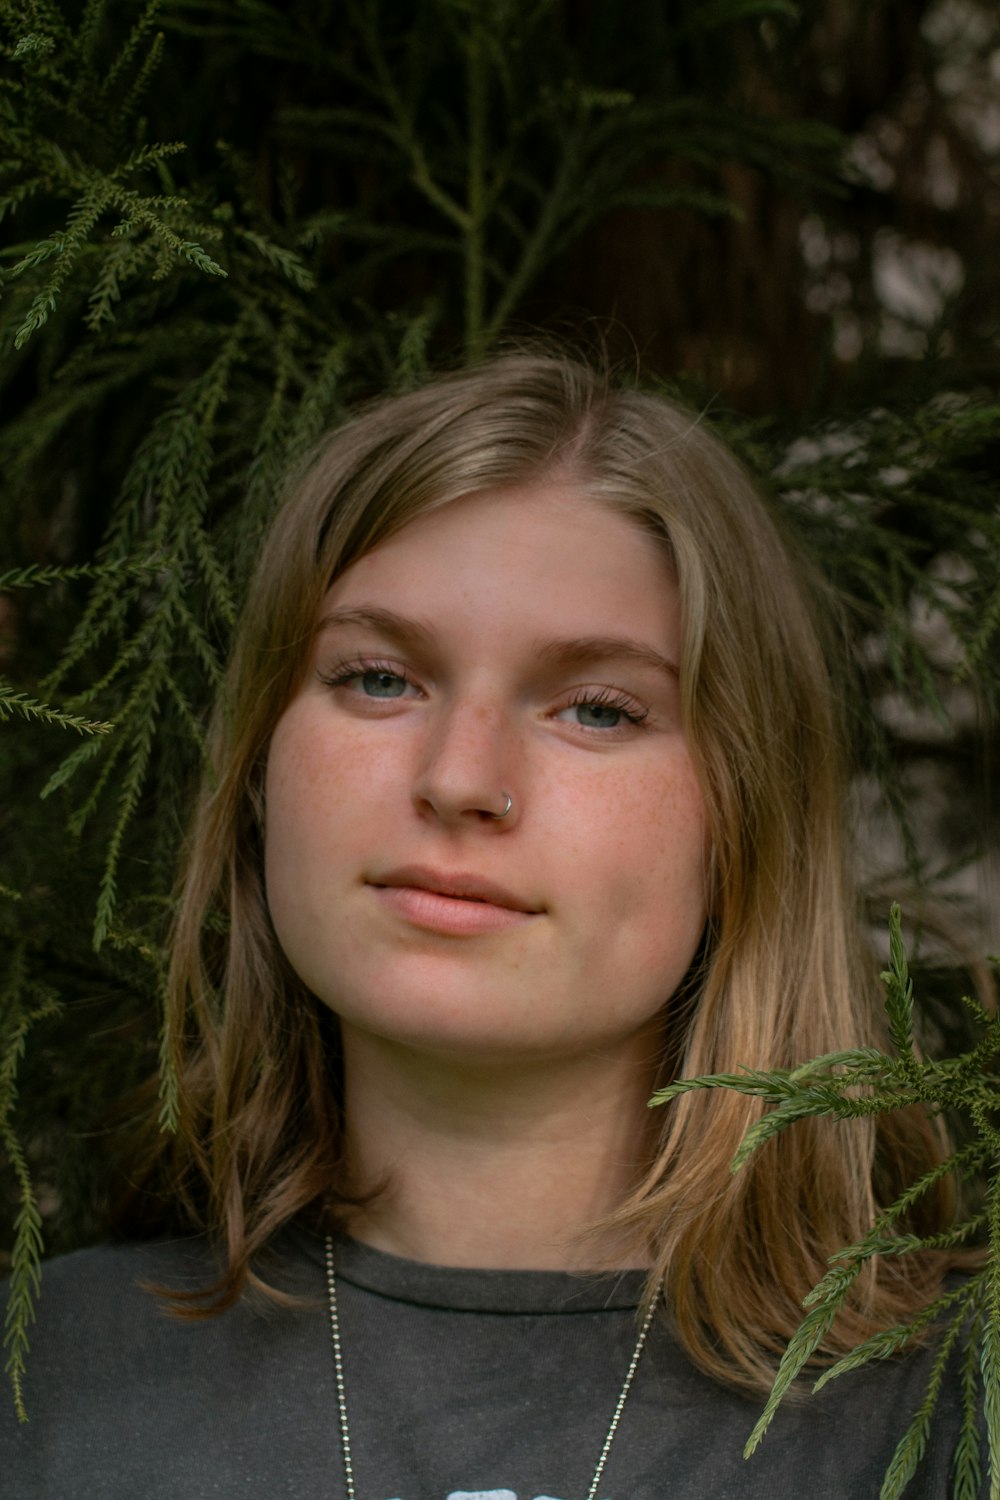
x: 598, y: 715
x: 368, y: 679
x: 603, y: 710
x: 376, y: 684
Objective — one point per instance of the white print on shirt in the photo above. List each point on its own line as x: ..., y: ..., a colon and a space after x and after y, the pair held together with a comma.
x: 489, y: 1495
x: 492, y: 1495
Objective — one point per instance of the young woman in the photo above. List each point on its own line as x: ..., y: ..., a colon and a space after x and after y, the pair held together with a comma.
x: 526, y: 800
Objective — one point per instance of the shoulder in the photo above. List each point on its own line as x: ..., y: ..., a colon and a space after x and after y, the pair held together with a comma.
x: 103, y: 1275
x: 907, y: 1410
x: 87, y: 1299
x: 107, y: 1303
x: 118, y: 1388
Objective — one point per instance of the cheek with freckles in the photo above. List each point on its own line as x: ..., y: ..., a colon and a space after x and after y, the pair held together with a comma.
x: 640, y: 874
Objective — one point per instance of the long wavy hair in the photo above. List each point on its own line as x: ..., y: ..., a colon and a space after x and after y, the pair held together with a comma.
x: 782, y: 974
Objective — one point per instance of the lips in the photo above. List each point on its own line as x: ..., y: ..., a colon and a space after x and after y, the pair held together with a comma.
x: 458, y: 886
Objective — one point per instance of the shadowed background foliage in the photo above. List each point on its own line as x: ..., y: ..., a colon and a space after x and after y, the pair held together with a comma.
x: 224, y: 222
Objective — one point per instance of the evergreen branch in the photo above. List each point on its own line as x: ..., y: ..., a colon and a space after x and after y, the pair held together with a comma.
x: 136, y: 210
x: 131, y: 789
x: 86, y: 44
x: 42, y: 306
x: 398, y: 239
x: 911, y: 1446
x: 291, y: 267
x: 264, y: 477
x: 100, y: 192
x: 813, y: 1102
x: 700, y: 200
x: 66, y: 247
x: 25, y: 1276
x: 220, y: 592
x: 142, y: 642
x: 879, y: 1244
x: 122, y: 258
x: 860, y: 1061
x: 544, y: 242
x: 169, y: 1080
x: 140, y: 30
x: 19, y: 193
x: 421, y: 174
x: 966, y: 1466
x: 412, y: 359
x: 82, y: 814
x: 143, y: 79
x: 322, y: 399
x: 12, y: 701
x: 990, y: 1349
x: 961, y: 1164
x: 801, y: 1347
x: 173, y: 461
x: 137, y: 714
x: 187, y: 713
x: 34, y: 44
x: 982, y: 1106
x: 39, y: 575
x: 826, y: 1086
x: 69, y: 767
x: 203, y: 649
x: 25, y: 1272
x: 772, y: 1086
x: 889, y: 1341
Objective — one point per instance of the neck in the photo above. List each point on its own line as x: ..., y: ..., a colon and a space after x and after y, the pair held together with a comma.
x: 494, y: 1166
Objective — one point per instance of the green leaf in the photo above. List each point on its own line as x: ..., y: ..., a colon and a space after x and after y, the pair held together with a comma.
x: 13, y: 702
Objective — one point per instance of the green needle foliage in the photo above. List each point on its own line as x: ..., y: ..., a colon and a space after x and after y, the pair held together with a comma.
x: 864, y: 1082
x: 59, y: 86
x: 11, y: 701
x: 22, y: 1004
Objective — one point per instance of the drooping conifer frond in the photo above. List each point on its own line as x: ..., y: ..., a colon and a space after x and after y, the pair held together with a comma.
x: 11, y: 702
x: 22, y: 1004
x: 867, y: 1082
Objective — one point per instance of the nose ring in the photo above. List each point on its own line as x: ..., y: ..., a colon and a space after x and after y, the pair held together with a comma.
x: 510, y: 804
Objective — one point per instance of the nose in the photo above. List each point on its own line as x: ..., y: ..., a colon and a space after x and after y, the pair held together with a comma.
x: 467, y: 770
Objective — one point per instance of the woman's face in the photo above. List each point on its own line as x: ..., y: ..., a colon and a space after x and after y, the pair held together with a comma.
x: 522, y: 643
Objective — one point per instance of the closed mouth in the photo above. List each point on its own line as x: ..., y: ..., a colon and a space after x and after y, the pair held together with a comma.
x: 459, y: 886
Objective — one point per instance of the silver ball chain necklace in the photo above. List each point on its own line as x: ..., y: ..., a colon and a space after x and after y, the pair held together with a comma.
x: 338, y: 1369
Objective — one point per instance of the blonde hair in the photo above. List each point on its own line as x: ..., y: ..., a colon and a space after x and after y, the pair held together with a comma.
x: 782, y: 976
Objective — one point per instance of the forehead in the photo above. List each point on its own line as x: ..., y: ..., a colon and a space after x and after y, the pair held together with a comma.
x: 546, y: 551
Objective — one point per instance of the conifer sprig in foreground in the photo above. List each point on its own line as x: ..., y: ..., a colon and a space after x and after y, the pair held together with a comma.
x: 865, y: 1082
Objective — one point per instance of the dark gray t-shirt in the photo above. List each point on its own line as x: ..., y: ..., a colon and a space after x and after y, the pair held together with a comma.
x: 460, y: 1385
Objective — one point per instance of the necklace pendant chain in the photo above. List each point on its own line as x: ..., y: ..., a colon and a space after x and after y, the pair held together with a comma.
x: 338, y: 1370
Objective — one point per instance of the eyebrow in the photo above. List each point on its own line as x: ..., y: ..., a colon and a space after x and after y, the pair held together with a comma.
x: 600, y: 648
x: 563, y: 653
x: 385, y: 621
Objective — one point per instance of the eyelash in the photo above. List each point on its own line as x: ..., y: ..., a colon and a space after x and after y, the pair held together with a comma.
x: 609, y: 698
x: 346, y: 670
x: 604, y: 697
